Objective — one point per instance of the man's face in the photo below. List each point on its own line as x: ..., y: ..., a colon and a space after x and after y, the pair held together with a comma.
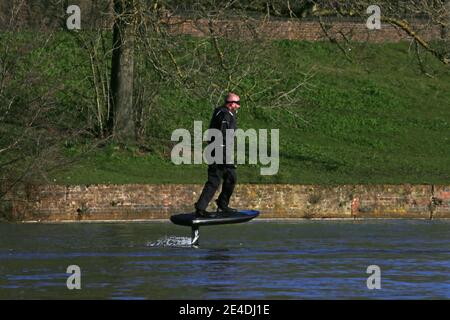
x: 233, y: 102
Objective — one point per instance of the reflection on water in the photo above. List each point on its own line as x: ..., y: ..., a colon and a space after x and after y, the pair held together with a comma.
x: 256, y: 260
x: 171, y: 242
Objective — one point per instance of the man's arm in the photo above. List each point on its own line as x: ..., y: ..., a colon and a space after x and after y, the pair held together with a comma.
x: 225, y: 124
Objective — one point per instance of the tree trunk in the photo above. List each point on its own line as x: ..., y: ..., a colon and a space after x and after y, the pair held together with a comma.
x: 120, y: 118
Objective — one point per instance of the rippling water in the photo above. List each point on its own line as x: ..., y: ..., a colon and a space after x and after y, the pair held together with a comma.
x: 256, y: 260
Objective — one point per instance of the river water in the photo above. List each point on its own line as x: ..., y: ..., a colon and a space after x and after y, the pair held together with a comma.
x: 300, y: 259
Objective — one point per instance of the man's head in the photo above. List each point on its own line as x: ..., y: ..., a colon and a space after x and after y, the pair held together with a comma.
x: 232, y: 102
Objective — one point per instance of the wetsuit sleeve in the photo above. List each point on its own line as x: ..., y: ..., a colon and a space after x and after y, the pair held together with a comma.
x: 222, y: 122
x: 224, y: 125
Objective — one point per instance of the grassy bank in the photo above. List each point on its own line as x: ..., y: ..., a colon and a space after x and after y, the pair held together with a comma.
x: 375, y: 119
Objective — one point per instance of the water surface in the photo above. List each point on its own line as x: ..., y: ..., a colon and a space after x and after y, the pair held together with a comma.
x: 256, y: 260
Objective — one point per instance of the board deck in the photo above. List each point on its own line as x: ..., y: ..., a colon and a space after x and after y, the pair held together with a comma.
x: 191, y: 220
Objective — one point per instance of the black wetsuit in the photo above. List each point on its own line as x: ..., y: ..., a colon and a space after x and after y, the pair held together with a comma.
x: 222, y: 119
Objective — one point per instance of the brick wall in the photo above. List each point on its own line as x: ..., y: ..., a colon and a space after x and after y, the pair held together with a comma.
x: 135, y: 202
x: 36, y: 16
x: 301, y: 30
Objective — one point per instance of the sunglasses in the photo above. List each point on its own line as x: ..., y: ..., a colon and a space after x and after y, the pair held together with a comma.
x: 237, y: 102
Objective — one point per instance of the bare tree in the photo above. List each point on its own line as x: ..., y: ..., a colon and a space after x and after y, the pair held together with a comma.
x: 120, y: 120
x: 220, y: 59
x: 126, y: 75
x: 33, y: 126
x: 413, y: 18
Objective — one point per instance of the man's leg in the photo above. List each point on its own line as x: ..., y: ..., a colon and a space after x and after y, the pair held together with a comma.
x: 210, y: 188
x: 229, y: 182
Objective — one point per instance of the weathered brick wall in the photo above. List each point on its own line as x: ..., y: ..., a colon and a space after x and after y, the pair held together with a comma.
x: 37, y: 16
x: 135, y: 202
x: 301, y: 30
x: 441, y: 202
x: 393, y: 201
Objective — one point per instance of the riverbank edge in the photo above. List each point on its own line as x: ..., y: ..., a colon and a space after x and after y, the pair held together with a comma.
x: 274, y: 220
x: 146, y: 202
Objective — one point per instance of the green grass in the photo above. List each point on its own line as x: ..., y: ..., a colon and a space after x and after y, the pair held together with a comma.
x: 376, y: 120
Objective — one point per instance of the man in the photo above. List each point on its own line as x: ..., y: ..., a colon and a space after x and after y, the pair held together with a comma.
x: 223, y: 118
